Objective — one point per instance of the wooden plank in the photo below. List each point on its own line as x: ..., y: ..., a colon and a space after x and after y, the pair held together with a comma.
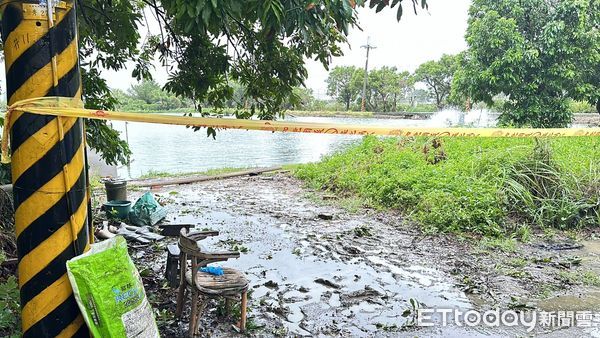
x: 196, y: 179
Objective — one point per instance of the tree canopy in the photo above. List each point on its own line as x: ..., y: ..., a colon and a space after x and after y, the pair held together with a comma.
x: 148, y: 95
x: 386, y: 85
x: 438, y: 76
x: 385, y: 88
x: 208, y: 45
x: 537, y: 53
x: 340, y: 86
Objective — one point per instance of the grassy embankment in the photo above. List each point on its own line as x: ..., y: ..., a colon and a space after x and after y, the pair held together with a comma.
x: 490, y: 187
x: 575, y: 107
x: 421, y: 108
x: 153, y: 174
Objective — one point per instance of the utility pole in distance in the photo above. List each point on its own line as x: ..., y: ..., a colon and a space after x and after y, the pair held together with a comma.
x: 368, y: 47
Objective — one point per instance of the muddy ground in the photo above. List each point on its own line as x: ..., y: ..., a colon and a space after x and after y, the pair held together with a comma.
x: 318, y: 269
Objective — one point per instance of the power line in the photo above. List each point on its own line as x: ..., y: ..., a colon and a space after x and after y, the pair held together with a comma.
x: 368, y: 47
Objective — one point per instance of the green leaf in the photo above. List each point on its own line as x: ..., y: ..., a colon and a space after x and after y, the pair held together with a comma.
x: 206, y: 16
x: 191, y: 11
x: 199, y: 6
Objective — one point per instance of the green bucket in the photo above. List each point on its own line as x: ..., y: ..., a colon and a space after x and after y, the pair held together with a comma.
x: 117, y: 209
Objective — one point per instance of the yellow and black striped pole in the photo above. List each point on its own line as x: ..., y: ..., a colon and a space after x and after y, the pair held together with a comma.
x: 49, y: 178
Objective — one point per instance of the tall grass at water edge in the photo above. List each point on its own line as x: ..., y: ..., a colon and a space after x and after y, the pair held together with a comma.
x: 490, y: 186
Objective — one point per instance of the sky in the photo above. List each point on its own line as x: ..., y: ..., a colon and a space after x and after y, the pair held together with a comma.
x: 405, y: 44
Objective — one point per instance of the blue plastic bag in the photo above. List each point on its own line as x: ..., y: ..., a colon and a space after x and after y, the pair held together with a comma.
x: 213, y: 270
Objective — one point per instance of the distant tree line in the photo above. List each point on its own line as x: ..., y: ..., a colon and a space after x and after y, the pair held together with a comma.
x: 535, y: 61
x: 391, y: 90
x: 149, y: 96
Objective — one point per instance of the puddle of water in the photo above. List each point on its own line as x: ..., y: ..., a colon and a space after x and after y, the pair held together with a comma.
x: 587, y: 302
x: 424, y: 280
x: 354, y: 297
x: 272, y: 257
x: 591, y: 247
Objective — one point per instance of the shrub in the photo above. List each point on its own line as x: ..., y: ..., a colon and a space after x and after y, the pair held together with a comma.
x: 539, y: 191
x: 581, y: 107
x: 9, y: 306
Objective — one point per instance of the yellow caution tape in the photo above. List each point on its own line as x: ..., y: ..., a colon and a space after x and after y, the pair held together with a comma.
x: 69, y: 107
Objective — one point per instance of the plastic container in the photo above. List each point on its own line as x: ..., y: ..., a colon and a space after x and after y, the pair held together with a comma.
x: 116, y: 190
x: 117, y: 209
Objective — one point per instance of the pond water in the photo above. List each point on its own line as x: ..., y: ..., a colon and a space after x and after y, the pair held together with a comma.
x: 176, y: 149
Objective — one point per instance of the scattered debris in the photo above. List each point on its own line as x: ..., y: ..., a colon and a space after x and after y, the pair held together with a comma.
x: 303, y: 289
x: 363, y: 231
x: 173, y: 230
x: 327, y: 283
x: 147, y: 211
x: 331, y: 285
x: 104, y: 232
x: 516, y: 304
x: 560, y: 246
x: 353, y: 250
x: 326, y: 217
x: 144, y: 235
x: 271, y: 284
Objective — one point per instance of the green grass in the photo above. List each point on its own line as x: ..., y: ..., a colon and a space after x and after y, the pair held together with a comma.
x: 156, y: 174
x: 96, y: 182
x: 9, y: 305
x: 508, y: 245
x: 9, y: 308
x: 517, y: 262
x: 585, y: 278
x: 474, y: 185
x: 185, y: 110
x: 152, y: 174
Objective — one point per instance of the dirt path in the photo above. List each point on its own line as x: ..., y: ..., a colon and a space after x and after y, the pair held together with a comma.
x: 319, y: 270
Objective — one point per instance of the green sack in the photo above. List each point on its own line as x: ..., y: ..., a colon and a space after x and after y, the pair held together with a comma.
x: 146, y: 211
x: 110, y: 293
